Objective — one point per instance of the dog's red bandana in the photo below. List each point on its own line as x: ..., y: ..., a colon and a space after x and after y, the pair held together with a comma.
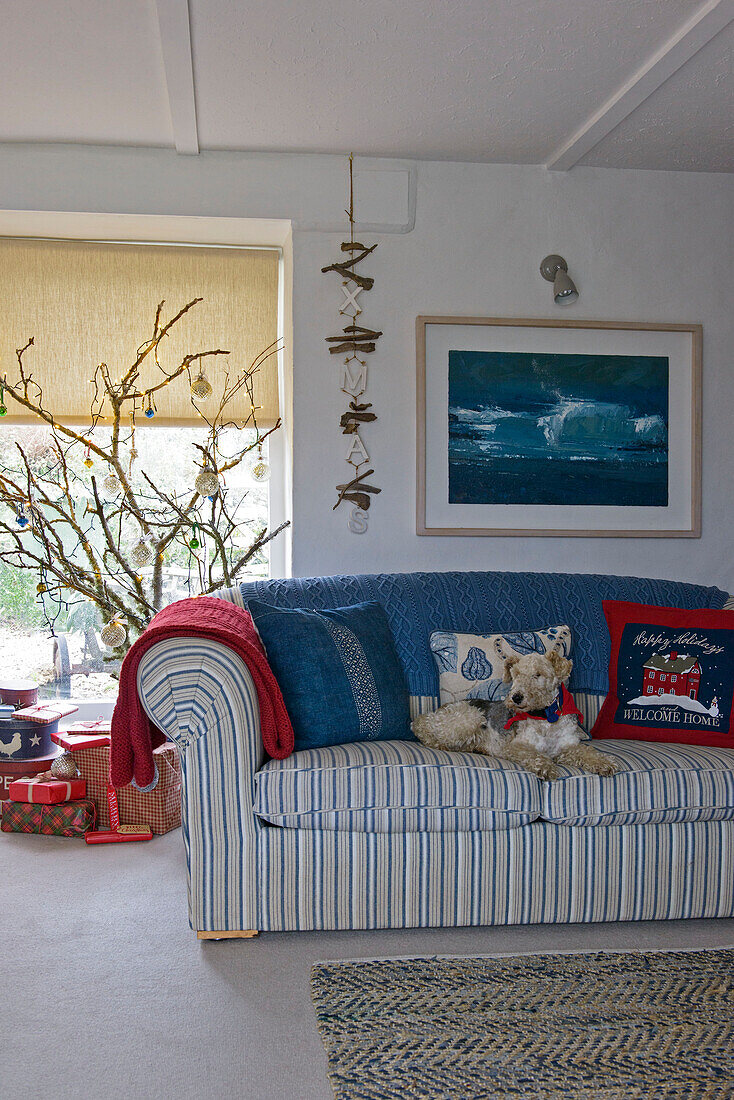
x: 562, y: 704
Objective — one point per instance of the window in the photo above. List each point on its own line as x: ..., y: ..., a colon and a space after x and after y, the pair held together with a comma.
x: 663, y: 677
x: 649, y: 690
x: 90, y: 302
x: 72, y: 663
x: 674, y: 678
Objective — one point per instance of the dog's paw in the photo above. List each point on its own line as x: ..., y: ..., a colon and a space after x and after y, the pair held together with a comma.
x: 546, y: 769
x: 606, y: 766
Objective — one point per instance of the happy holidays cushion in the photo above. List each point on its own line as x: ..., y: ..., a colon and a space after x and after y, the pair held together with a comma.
x: 338, y: 671
x: 471, y: 666
x: 671, y: 675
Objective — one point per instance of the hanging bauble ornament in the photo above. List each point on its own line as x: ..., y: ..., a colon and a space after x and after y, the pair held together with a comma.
x: 193, y: 541
x: 3, y: 407
x: 64, y: 767
x: 112, y: 485
x: 88, y: 460
x: 260, y: 468
x: 21, y: 518
x: 150, y: 407
x: 113, y: 634
x: 41, y: 588
x: 141, y: 554
x: 201, y: 387
x: 207, y: 483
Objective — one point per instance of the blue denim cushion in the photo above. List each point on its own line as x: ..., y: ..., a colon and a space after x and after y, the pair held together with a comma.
x: 339, y: 673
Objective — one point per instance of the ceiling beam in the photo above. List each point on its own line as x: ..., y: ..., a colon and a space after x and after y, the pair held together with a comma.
x: 702, y: 26
x: 175, y: 31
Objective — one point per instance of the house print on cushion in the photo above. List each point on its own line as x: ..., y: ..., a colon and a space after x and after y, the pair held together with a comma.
x: 672, y: 674
x: 675, y: 679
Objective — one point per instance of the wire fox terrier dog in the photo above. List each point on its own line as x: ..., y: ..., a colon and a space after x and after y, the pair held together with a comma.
x: 542, y: 728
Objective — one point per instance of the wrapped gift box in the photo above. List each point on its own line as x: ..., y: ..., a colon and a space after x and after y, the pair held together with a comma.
x: 25, y: 740
x: 159, y: 808
x: 44, y: 714
x: 47, y: 791
x: 10, y: 770
x: 99, y: 725
x: 66, y: 819
x: 82, y: 735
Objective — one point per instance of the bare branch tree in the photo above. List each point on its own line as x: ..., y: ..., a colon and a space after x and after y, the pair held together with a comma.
x: 79, y: 543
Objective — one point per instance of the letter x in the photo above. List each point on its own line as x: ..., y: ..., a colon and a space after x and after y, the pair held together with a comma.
x: 350, y: 298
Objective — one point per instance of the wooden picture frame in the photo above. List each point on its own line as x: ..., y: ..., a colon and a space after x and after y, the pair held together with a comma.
x: 491, y: 338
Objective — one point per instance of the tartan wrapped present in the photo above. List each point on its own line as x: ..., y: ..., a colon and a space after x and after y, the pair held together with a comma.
x: 159, y: 808
x: 47, y: 790
x: 67, y: 819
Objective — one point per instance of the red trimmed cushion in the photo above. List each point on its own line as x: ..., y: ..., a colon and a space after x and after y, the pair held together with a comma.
x: 671, y: 675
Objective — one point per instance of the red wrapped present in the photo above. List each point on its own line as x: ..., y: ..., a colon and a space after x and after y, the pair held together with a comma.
x: 66, y: 819
x: 10, y: 770
x: 159, y: 808
x: 45, y: 713
x: 46, y: 790
x: 82, y: 735
x: 99, y: 725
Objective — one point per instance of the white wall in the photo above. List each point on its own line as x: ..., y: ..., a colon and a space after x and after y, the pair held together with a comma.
x: 640, y: 246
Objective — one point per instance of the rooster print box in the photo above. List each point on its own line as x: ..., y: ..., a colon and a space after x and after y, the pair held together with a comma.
x: 672, y: 675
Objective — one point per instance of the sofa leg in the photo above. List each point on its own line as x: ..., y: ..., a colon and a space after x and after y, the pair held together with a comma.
x: 240, y: 934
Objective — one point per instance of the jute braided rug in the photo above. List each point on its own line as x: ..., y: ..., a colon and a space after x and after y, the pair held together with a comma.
x: 622, y: 1026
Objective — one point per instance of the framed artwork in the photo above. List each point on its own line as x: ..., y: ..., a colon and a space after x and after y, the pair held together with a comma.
x: 556, y: 427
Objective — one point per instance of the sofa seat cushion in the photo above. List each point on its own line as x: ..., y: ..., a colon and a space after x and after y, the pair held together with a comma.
x: 656, y: 782
x: 394, y: 787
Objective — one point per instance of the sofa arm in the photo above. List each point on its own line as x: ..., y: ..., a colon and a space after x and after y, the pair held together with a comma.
x: 203, y: 697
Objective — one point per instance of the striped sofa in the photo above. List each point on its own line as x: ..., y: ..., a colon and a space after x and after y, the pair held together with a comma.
x: 393, y: 834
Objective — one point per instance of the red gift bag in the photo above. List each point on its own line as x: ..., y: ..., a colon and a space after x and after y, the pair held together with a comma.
x: 159, y: 808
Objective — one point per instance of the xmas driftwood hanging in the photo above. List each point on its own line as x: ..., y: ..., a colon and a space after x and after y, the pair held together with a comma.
x: 354, y: 342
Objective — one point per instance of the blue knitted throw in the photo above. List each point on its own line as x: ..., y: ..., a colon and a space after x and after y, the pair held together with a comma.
x: 481, y: 603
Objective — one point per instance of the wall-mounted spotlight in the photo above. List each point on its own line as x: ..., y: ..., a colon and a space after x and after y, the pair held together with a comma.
x: 555, y: 270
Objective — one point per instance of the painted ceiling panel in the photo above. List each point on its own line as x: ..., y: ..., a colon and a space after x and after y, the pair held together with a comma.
x: 687, y: 124
x: 464, y: 79
x: 82, y: 70
x: 474, y: 80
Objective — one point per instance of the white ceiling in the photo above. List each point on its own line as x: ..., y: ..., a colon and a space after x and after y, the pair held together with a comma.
x: 618, y: 83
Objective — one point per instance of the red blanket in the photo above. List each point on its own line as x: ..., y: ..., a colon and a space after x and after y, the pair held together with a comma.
x: 133, y: 734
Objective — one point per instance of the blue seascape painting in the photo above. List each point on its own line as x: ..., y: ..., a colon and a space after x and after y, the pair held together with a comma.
x: 526, y: 428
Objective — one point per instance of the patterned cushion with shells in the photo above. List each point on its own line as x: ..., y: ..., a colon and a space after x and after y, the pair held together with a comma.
x: 471, y: 666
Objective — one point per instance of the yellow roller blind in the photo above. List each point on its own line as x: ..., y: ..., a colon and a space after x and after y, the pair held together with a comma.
x: 88, y: 303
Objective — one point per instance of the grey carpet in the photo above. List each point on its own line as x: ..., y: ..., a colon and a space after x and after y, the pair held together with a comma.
x: 106, y: 992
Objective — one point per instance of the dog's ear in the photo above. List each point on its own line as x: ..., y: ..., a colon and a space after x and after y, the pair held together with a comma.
x: 509, y: 662
x: 561, y: 665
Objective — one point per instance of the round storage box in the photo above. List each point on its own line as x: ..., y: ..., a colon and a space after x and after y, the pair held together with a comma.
x: 19, y: 693
x: 20, y: 739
